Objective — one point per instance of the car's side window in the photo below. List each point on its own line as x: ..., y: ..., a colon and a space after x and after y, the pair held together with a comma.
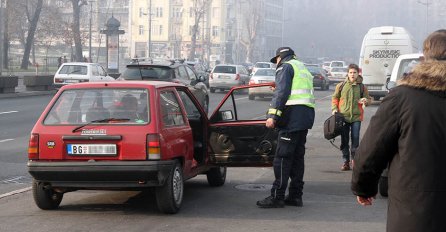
x: 191, y: 109
x: 94, y: 70
x: 170, y: 109
x: 101, y: 71
x: 182, y: 73
x: 191, y: 73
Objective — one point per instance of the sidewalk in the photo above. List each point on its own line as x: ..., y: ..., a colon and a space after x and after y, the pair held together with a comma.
x: 20, y: 90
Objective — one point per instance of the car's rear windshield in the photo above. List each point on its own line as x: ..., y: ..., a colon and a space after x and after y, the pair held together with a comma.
x: 74, y: 69
x: 339, y: 69
x: 313, y: 69
x: 265, y: 72
x: 225, y: 69
x: 263, y: 65
x: 337, y: 64
x: 81, y: 106
x: 147, y: 73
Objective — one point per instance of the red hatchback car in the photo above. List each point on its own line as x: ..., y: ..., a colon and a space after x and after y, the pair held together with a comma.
x: 143, y: 134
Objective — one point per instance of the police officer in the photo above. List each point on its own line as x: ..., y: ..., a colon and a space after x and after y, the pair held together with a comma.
x: 292, y: 113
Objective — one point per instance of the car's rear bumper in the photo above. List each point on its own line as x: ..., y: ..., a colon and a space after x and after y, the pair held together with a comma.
x: 106, y: 174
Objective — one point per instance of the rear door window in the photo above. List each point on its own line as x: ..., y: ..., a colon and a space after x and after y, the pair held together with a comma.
x: 171, y: 113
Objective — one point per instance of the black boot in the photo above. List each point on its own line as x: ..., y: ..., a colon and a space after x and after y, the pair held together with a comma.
x: 294, y: 201
x: 271, y: 202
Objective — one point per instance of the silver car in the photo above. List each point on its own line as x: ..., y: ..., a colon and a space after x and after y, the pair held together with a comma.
x: 262, y: 75
x: 226, y: 76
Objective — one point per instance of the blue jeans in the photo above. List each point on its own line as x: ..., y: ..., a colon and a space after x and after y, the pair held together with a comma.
x: 354, y: 128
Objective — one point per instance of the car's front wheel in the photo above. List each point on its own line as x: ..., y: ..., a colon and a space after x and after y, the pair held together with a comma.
x: 212, y: 90
x: 216, y: 176
x: 170, y: 196
x: 45, y: 198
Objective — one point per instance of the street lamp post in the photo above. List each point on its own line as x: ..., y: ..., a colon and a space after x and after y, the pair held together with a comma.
x: 149, y: 46
x: 427, y: 3
x: 2, y: 15
x: 89, y: 31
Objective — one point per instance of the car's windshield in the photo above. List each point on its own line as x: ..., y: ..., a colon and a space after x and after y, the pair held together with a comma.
x: 406, y: 66
x: 337, y: 64
x: 263, y: 65
x: 147, y: 72
x: 81, y: 106
x: 74, y: 69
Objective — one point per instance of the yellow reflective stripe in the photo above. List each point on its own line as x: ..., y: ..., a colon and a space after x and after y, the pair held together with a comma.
x: 302, y: 91
x: 300, y: 101
x: 275, y: 112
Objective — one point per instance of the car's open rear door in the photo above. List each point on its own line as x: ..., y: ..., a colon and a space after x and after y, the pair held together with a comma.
x: 238, y: 135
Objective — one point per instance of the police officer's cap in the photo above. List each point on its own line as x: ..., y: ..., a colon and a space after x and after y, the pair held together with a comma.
x: 282, y: 52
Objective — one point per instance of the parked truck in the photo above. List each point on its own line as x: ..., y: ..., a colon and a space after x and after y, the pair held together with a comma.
x: 381, y: 47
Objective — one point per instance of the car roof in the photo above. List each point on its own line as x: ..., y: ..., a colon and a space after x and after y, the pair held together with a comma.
x: 77, y: 63
x: 123, y: 84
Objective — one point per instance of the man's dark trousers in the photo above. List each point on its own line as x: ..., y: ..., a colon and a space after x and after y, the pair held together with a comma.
x: 289, y: 163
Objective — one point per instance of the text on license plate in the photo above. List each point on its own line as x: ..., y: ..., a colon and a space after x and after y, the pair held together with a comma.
x: 91, y: 149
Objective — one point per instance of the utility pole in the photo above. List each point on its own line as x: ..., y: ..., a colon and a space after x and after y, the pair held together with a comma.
x: 150, y: 30
x: 2, y: 34
x: 89, y: 30
x: 427, y: 3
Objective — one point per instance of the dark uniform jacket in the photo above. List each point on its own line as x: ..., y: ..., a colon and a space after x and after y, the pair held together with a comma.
x: 294, y: 117
x: 409, y: 132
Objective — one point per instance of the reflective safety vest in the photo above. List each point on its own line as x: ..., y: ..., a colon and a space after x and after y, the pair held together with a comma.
x: 302, y: 86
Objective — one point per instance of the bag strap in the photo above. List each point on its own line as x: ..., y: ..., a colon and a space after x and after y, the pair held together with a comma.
x: 361, y: 89
x: 332, y: 143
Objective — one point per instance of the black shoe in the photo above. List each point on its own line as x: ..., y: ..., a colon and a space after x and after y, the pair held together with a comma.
x: 271, y: 202
x: 294, y: 201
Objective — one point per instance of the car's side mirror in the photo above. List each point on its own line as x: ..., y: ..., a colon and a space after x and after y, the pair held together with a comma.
x: 390, y: 85
x: 226, y: 115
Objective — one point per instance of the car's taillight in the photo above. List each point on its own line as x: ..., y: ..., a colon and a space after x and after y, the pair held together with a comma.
x: 58, y: 80
x: 211, y: 76
x: 153, y: 147
x: 33, y: 147
x: 321, y: 77
x: 237, y: 76
x: 251, y: 82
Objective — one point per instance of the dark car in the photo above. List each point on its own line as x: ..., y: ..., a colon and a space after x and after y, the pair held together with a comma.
x: 320, y: 78
x: 172, y: 71
x: 201, y: 71
x: 139, y: 135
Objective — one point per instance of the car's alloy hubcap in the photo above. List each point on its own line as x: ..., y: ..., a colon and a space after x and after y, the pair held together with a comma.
x: 177, y: 186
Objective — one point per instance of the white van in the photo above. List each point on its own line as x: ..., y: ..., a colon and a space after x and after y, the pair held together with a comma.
x: 76, y: 72
x: 381, y: 47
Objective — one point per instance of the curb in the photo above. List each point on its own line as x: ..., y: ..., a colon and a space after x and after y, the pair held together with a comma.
x: 27, y: 94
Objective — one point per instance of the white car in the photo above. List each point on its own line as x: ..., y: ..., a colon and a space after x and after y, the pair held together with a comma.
x: 262, y: 75
x: 226, y: 76
x: 263, y: 65
x: 403, y: 65
x: 336, y: 64
x: 75, y: 72
x: 337, y: 74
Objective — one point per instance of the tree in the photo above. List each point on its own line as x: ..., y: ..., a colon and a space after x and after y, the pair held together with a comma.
x: 32, y: 10
x: 75, y: 27
x: 251, y: 20
x: 199, y: 8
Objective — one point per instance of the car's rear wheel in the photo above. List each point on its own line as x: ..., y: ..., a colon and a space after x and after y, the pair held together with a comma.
x: 170, y: 196
x: 216, y: 176
x: 251, y: 97
x: 212, y: 90
x: 383, y: 186
x: 45, y: 198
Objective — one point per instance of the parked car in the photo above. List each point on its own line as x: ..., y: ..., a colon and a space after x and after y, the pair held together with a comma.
x: 83, y: 141
x: 262, y: 75
x: 258, y: 65
x: 200, y: 70
x: 320, y: 78
x: 226, y: 76
x: 172, y: 71
x: 337, y: 74
x: 76, y: 72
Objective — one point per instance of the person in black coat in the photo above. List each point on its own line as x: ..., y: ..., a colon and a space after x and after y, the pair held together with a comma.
x: 408, y: 133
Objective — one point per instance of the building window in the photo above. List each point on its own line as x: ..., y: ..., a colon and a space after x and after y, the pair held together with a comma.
x: 215, y: 12
x: 177, y: 12
x: 161, y: 30
x: 214, y: 31
x: 159, y: 12
x: 191, y: 12
x: 141, y: 30
x: 141, y: 12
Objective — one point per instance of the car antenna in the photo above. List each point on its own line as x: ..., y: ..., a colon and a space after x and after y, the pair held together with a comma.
x: 136, y: 59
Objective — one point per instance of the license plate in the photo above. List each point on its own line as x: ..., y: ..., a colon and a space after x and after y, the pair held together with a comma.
x: 374, y: 87
x: 91, y: 149
x: 263, y: 81
x: 71, y: 81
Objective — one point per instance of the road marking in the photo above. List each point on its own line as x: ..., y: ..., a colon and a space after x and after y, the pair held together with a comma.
x: 14, y: 180
x: 5, y: 140
x: 15, y: 192
x: 9, y: 112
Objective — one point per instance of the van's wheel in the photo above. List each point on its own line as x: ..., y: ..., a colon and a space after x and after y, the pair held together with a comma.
x: 383, y: 186
x: 45, y: 198
x: 251, y: 97
x: 216, y: 176
x: 170, y: 196
x: 376, y: 98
